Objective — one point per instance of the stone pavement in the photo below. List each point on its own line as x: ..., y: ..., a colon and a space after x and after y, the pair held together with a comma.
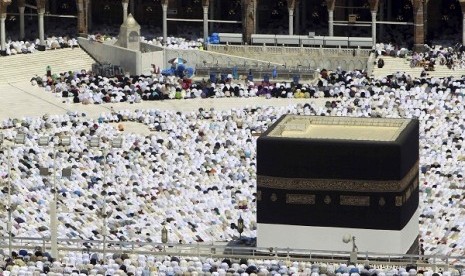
x: 21, y: 99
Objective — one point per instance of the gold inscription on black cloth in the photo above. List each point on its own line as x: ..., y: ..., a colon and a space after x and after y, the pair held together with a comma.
x: 306, y: 184
x: 274, y: 197
x: 382, y: 201
x: 354, y: 200
x: 259, y: 195
x: 300, y: 199
x: 327, y: 199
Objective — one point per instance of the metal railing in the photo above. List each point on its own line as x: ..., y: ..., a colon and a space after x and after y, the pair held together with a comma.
x: 433, y: 262
x: 258, y: 72
x: 308, y: 51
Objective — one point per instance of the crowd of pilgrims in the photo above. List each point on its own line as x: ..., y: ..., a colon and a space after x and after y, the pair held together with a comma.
x: 87, y: 88
x: 197, y: 171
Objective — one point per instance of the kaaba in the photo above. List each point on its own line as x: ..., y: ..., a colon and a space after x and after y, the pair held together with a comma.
x: 320, y: 178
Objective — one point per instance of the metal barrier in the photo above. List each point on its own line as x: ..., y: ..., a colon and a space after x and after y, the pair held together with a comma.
x: 300, y: 40
x: 304, y: 51
x: 258, y: 72
x: 433, y: 262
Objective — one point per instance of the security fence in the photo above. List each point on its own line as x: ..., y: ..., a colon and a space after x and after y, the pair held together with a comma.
x: 431, y: 262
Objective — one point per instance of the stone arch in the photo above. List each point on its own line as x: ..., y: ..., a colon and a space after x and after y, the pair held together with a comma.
x: 63, y: 7
x: 327, y: 64
x: 343, y: 64
x: 312, y: 63
x: 110, y: 12
x: 443, y: 20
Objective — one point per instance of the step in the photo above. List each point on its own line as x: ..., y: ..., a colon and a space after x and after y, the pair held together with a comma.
x: 393, y: 65
x: 24, y: 67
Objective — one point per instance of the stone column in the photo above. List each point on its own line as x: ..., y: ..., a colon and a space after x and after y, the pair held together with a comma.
x: 462, y: 6
x: 205, y: 24
x: 419, y: 27
x: 373, y: 27
x: 249, y: 16
x: 41, y: 13
x: 21, y: 22
x: 330, y: 22
x: 82, y: 19
x: 3, y: 11
x: 425, y: 18
x: 291, y: 7
x: 257, y: 18
x: 374, y: 9
x: 291, y: 21
x: 2, y: 31
x: 125, y: 10
x: 165, y: 22
x: 330, y: 5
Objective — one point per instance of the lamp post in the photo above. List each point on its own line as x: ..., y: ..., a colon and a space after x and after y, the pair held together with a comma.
x: 9, y: 209
x: 44, y: 142
x: 94, y: 142
x: 19, y: 139
x: 164, y: 236
x: 240, y: 226
x: 104, y: 214
x: 353, y: 254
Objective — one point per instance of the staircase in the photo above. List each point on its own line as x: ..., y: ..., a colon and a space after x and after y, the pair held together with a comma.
x: 23, y: 67
x: 393, y: 65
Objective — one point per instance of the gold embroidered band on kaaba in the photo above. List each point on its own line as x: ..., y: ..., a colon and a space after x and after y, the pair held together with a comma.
x: 349, y: 185
x: 348, y: 200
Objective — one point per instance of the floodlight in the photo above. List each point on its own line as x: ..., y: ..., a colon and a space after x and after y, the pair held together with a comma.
x: 347, y: 238
x: 20, y: 138
x: 65, y: 141
x: 117, y: 143
x: 66, y: 172
x: 94, y: 142
x: 44, y: 140
x: 44, y: 171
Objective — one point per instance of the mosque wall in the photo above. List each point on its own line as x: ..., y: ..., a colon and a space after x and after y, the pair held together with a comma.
x: 328, y: 58
x: 195, y: 57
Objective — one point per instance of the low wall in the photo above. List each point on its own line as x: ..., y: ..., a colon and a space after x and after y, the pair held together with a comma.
x: 195, y: 57
x: 147, y: 47
x: 328, y: 58
x: 129, y: 60
x: 137, y: 63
